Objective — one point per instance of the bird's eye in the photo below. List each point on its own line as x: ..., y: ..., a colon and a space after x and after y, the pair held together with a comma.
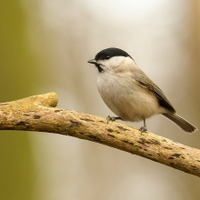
x: 107, y: 57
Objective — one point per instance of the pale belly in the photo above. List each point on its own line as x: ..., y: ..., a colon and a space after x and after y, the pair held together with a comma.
x: 131, y: 103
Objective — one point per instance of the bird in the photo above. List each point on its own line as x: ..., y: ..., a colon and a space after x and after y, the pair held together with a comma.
x: 129, y: 92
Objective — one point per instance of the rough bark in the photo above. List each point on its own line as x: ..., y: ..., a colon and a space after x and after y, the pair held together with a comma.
x: 39, y: 113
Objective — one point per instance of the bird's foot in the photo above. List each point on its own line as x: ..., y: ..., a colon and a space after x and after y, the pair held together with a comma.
x: 109, y: 118
x: 143, y: 129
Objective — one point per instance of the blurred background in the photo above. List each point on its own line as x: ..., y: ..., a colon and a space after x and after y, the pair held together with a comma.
x: 45, y: 46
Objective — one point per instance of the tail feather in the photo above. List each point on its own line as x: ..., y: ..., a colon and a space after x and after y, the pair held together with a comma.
x: 182, y: 123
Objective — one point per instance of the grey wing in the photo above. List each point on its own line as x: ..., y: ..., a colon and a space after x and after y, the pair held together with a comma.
x: 147, y: 83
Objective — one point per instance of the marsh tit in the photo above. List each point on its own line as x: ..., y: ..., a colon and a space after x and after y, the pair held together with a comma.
x: 129, y: 92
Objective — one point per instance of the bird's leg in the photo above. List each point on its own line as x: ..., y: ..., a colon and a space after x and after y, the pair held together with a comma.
x: 109, y: 118
x: 143, y: 128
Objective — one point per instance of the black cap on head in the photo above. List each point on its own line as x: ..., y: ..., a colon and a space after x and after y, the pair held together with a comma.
x: 110, y: 52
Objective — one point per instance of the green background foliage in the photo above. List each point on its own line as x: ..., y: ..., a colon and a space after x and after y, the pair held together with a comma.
x: 18, y: 76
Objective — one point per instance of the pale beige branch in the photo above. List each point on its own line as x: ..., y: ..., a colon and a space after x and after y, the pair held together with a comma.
x: 38, y: 113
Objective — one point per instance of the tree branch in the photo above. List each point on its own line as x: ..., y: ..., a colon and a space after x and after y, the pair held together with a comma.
x: 37, y: 113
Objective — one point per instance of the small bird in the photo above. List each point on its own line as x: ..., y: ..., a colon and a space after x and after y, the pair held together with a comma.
x: 129, y: 92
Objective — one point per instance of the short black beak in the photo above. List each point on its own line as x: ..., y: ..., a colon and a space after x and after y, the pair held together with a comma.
x: 92, y: 61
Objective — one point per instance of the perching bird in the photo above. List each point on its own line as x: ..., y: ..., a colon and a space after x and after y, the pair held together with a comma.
x: 129, y: 92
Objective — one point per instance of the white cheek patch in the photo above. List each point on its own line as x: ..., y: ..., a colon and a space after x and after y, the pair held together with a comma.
x: 116, y: 61
x: 117, y: 64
